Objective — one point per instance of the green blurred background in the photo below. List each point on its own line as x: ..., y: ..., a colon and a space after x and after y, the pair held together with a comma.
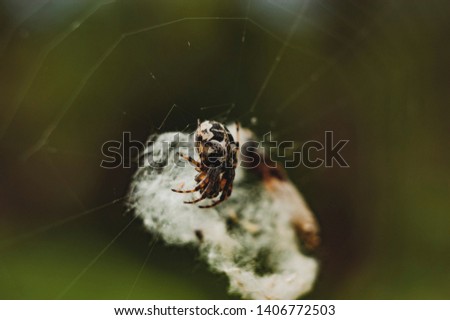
x: 75, y: 74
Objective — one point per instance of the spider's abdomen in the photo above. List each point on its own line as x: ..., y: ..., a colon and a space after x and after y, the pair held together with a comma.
x: 211, y: 131
x: 213, y: 143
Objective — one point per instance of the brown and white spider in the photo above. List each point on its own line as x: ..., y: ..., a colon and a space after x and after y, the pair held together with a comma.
x: 218, y: 151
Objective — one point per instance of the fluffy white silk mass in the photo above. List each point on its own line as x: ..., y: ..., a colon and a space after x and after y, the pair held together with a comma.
x: 250, y: 237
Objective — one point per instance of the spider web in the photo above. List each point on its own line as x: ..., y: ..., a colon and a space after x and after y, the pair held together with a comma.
x: 102, y: 68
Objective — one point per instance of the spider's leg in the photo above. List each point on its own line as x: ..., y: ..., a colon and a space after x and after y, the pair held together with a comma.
x: 213, y: 204
x: 237, y: 134
x: 208, y: 185
x: 189, y: 158
x: 200, y: 176
x: 226, y: 192
x: 202, y: 196
x: 199, y: 186
x: 196, y: 200
x: 223, y: 197
x: 186, y: 191
x: 237, y: 148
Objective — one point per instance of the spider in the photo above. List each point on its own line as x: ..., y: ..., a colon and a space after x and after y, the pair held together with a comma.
x: 218, y: 151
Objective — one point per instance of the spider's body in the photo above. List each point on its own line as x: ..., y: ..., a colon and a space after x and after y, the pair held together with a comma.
x: 218, y: 151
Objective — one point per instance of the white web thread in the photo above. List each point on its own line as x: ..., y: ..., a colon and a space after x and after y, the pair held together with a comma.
x: 41, y: 60
x: 10, y: 33
x: 55, y: 43
x: 49, y: 130
x: 279, y: 56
